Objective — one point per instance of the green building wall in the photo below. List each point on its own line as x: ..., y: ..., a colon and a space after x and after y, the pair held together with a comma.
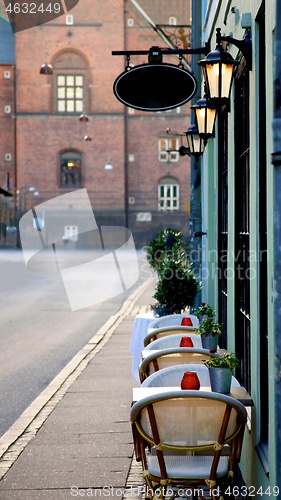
x: 228, y: 15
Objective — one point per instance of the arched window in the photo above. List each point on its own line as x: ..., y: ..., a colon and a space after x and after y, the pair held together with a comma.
x: 70, y: 74
x: 70, y: 169
x: 168, y: 194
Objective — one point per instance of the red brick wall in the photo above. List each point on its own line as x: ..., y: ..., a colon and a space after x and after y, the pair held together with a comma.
x: 42, y: 134
x: 7, y: 123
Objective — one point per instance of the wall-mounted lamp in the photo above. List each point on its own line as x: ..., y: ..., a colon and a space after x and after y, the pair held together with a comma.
x: 205, y: 113
x: 218, y: 67
x: 196, y: 144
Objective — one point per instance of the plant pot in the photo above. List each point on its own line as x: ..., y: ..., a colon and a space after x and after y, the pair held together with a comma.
x: 209, y: 341
x: 161, y: 310
x: 203, y: 316
x: 220, y: 379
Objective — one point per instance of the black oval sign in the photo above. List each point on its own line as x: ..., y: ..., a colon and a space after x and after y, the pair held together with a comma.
x: 155, y: 87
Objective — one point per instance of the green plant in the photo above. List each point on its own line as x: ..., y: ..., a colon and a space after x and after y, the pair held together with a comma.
x: 205, y: 309
x: 208, y: 327
x: 226, y: 360
x: 167, y: 243
x: 177, y: 285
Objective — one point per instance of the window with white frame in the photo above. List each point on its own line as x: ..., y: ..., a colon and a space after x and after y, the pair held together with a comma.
x: 168, y: 149
x: 70, y: 93
x: 168, y: 194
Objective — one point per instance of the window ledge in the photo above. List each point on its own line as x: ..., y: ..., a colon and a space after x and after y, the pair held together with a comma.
x: 262, y: 451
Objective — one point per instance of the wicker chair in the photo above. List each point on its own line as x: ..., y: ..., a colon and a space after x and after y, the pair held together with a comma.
x: 174, y: 341
x: 187, y: 433
x: 172, y: 376
x: 157, y: 333
x: 173, y: 320
x: 170, y: 357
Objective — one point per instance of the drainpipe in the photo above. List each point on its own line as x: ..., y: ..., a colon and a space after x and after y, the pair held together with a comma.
x: 276, y: 161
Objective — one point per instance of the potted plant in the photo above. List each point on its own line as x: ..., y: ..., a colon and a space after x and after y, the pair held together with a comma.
x: 220, y: 369
x: 168, y: 242
x: 209, y: 331
x: 204, y: 311
x: 177, y: 286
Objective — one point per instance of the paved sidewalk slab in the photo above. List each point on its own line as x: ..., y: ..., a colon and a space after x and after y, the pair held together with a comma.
x: 84, y: 447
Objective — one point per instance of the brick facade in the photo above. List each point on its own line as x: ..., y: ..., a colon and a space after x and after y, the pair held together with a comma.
x: 126, y: 138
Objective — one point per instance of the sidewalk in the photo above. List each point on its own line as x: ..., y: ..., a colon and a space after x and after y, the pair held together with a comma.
x: 80, y: 444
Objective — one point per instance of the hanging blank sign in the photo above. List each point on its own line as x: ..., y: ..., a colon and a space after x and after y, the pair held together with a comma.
x: 155, y: 87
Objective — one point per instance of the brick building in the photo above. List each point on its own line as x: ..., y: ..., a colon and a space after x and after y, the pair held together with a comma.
x: 148, y: 187
x: 7, y: 126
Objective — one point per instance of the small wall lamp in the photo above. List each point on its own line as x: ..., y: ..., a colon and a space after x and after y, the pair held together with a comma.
x: 205, y: 113
x: 196, y: 144
x: 218, y: 67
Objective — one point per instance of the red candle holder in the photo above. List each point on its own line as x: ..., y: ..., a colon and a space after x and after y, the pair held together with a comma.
x: 186, y: 341
x: 190, y: 381
x: 186, y: 322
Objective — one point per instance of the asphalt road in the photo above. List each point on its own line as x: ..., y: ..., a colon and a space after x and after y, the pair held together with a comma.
x: 39, y: 333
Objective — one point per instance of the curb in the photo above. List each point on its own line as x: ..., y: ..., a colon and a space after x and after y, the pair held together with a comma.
x: 14, y: 441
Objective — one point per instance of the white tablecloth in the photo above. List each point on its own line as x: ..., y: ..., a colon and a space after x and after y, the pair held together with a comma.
x: 142, y: 322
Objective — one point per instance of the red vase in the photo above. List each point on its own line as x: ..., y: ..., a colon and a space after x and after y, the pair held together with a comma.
x: 186, y: 342
x: 190, y: 380
x: 186, y: 322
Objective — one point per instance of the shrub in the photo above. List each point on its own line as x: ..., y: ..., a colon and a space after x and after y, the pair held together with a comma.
x: 168, y: 243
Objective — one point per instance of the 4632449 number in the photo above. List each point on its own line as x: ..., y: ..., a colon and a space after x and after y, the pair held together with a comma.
x: 33, y: 8
x: 252, y: 491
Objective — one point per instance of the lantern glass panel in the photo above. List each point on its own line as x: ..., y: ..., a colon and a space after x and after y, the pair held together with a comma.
x: 226, y: 79
x: 195, y: 143
x: 219, y: 79
x: 212, y: 74
x: 198, y: 144
x: 205, y: 120
x: 189, y: 139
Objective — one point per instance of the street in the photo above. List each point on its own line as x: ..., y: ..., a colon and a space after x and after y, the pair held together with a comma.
x: 39, y: 332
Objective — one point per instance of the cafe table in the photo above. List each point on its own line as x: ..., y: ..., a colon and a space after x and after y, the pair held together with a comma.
x: 238, y: 393
x: 140, y: 328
